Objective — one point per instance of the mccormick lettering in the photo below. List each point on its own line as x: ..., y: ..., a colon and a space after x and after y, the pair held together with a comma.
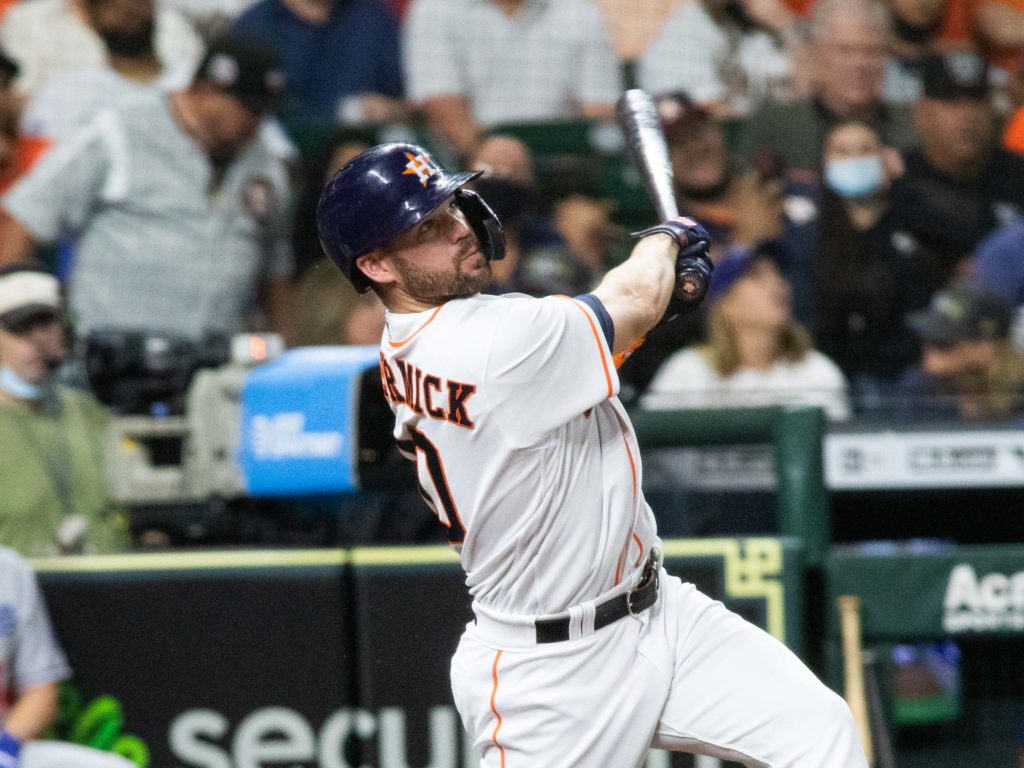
x: 425, y: 393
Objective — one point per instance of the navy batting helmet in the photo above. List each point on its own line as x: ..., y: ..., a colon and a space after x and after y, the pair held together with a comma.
x: 386, y: 190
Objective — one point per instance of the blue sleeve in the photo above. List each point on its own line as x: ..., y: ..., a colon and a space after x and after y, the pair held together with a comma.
x: 607, y: 326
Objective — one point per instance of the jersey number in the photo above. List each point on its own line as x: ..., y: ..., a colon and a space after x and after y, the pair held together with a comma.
x: 440, y: 501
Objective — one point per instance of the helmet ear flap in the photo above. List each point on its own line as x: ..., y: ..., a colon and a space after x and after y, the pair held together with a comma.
x: 484, y: 223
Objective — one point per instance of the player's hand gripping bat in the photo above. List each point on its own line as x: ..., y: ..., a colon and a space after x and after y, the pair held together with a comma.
x: 646, y: 145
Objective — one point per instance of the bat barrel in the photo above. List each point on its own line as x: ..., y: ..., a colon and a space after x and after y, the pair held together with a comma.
x: 645, y: 142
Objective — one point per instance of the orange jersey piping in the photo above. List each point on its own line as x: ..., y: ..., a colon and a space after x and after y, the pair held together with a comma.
x: 597, y: 339
x: 494, y: 692
x: 632, y: 467
x: 412, y: 335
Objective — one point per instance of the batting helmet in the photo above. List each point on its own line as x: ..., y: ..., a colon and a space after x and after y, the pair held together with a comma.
x: 386, y: 190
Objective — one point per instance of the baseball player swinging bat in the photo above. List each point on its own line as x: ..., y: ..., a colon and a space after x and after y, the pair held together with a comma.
x: 646, y: 145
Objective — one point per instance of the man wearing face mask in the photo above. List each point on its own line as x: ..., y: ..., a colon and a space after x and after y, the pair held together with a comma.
x: 55, y: 499
x: 69, y: 99
x: 46, y: 37
x: 959, y: 185
x: 539, y: 260
x: 917, y: 25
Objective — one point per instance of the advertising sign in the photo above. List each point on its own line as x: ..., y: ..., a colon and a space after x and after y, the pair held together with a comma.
x: 314, y: 659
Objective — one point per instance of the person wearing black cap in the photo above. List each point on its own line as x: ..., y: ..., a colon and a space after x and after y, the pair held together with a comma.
x: 180, y: 203
x: 959, y: 185
x: 969, y: 369
x: 55, y: 498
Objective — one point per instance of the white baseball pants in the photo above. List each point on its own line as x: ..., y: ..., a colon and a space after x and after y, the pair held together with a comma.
x: 686, y: 675
x: 57, y: 754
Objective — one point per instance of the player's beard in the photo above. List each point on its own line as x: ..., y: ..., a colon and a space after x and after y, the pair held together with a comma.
x: 439, y: 287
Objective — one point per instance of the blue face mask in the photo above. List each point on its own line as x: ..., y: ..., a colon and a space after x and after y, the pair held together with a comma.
x: 17, y: 387
x: 854, y: 176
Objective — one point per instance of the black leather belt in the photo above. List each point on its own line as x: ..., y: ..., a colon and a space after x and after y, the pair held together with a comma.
x: 635, y: 601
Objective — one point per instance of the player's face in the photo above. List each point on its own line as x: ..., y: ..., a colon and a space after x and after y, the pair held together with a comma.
x: 439, y: 258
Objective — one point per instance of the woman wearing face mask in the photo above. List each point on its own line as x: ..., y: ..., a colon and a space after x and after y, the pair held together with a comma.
x: 861, y: 285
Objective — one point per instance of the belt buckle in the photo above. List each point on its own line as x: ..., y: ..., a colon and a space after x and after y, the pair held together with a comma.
x: 652, y: 569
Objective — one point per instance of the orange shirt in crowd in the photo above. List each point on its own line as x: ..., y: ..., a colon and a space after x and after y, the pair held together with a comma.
x: 27, y: 151
x: 1013, y: 136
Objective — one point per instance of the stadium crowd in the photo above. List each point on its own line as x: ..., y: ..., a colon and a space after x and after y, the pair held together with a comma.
x: 860, y: 164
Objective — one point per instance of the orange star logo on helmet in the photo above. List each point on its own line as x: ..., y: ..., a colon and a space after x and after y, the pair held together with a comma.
x: 420, y: 165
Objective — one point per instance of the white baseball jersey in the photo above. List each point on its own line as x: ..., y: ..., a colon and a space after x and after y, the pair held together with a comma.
x: 508, y: 405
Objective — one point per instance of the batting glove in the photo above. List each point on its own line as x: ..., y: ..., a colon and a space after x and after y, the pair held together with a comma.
x: 10, y: 748
x: 693, y: 265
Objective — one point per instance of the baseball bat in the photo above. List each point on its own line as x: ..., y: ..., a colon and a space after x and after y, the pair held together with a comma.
x: 645, y: 143
x: 849, y: 623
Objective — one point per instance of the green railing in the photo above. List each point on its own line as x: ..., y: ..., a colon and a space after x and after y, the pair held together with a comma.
x: 795, y: 433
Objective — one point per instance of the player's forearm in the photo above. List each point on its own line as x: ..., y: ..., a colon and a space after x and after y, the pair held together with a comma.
x: 637, y: 291
x: 33, y: 712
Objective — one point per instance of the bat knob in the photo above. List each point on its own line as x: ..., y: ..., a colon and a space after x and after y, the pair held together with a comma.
x: 691, y: 283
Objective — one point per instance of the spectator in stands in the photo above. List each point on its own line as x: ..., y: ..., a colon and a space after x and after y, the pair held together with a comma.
x: 742, y: 208
x: 998, y: 265
x: 917, y: 26
x: 180, y: 204
x: 861, y: 284
x: 50, y: 36
x: 537, y: 258
x: 728, y: 55
x: 959, y: 186
x: 55, y: 498
x: 756, y: 354
x: 32, y: 664
x: 340, y: 56
x: 472, y: 64
x: 71, y: 98
x: 969, y: 369
x: 848, y: 49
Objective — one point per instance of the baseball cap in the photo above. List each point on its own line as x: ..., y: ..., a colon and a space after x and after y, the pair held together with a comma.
x: 27, y: 293
x: 246, y: 68
x: 679, y: 114
x: 962, y: 313
x: 954, y: 75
